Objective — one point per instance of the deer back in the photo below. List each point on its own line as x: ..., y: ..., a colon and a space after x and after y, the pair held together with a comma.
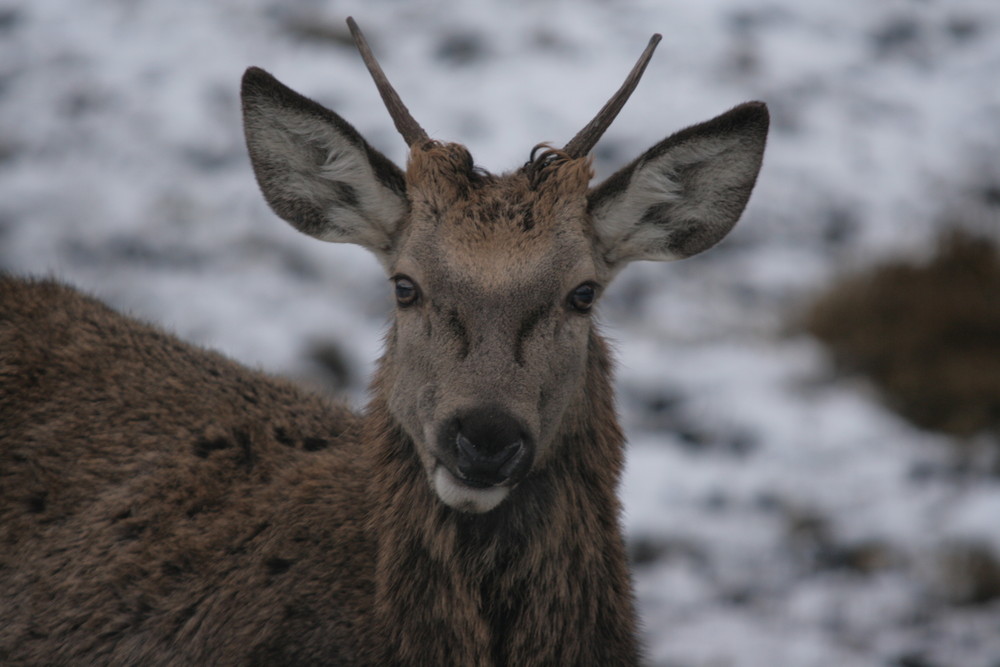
x: 160, y: 504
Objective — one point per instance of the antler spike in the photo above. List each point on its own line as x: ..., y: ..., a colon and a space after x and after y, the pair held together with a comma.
x: 586, y: 138
x: 404, y: 122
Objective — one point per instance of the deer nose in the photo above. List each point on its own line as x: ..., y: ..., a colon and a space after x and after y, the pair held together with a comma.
x: 490, y: 446
x: 487, y: 469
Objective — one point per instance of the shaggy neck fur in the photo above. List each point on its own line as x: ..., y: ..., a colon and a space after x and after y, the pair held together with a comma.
x: 542, y: 579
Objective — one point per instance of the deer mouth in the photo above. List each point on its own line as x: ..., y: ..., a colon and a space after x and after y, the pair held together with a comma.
x: 467, y: 494
x: 481, y: 453
x: 474, y: 483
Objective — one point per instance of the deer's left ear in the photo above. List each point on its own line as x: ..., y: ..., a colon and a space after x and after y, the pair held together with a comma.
x: 684, y: 194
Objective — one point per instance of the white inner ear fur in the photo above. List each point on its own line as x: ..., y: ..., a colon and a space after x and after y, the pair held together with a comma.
x: 616, y: 221
x: 371, y: 219
x: 378, y: 211
x: 619, y: 221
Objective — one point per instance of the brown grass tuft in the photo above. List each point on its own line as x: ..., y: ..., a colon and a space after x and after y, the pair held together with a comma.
x: 928, y: 333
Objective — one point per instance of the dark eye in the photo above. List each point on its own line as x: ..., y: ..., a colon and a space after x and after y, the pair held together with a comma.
x: 583, y: 297
x: 407, y: 293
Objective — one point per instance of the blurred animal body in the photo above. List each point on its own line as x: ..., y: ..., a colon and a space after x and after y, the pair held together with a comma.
x: 162, y: 505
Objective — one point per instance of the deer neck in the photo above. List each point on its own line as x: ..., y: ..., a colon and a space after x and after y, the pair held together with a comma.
x: 455, y: 588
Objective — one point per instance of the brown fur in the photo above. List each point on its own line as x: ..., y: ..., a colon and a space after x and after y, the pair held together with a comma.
x: 163, y: 505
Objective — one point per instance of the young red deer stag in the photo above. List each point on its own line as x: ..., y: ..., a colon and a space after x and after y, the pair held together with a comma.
x: 162, y: 505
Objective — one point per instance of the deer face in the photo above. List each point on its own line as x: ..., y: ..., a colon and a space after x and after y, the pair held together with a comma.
x: 494, y: 277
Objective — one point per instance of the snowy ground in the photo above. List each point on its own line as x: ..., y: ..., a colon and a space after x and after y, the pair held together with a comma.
x: 779, y: 515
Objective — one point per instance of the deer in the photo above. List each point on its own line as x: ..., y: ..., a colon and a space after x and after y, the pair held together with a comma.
x: 161, y: 504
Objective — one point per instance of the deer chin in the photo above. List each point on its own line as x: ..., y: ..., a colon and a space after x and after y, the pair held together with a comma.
x: 459, y: 495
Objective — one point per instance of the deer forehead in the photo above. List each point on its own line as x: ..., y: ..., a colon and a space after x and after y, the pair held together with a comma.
x: 491, y: 264
x: 528, y: 223
x: 500, y: 236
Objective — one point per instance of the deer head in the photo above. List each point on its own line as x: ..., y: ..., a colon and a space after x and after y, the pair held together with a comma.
x: 495, y: 276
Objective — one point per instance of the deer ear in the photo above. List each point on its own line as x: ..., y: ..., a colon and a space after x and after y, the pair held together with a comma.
x: 685, y: 193
x: 317, y: 172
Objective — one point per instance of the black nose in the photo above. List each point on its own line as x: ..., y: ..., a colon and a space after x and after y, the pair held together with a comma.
x: 489, y: 446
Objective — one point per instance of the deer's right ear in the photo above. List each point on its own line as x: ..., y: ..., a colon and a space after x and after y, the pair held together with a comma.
x: 317, y: 172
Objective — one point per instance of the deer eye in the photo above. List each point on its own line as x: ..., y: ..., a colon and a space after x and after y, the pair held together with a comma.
x: 407, y: 292
x: 582, y: 297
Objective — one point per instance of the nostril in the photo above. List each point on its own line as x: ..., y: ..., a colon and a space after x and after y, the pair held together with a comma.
x: 511, y: 458
x: 465, y: 448
x: 475, y: 462
x: 508, y: 452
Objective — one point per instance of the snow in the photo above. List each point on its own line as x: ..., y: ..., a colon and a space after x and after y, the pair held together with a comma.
x: 752, y: 469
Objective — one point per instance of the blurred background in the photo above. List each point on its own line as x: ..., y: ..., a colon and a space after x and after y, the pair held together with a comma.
x: 813, y: 407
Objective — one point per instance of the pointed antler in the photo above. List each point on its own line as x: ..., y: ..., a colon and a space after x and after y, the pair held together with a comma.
x: 586, y: 138
x: 409, y: 128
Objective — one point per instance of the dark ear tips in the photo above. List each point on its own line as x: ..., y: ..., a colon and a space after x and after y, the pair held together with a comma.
x: 757, y: 113
x: 252, y: 73
x: 752, y: 116
x: 259, y: 84
x: 254, y: 78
